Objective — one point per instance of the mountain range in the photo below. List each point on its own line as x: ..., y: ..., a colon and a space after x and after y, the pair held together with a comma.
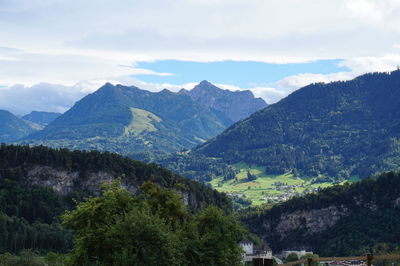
x: 236, y: 105
x: 13, y: 128
x: 340, y: 129
x: 132, y: 121
x: 41, y: 118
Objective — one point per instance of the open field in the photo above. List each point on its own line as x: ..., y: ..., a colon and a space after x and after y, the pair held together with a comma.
x: 266, y: 188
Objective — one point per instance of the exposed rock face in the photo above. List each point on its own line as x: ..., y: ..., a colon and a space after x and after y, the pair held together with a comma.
x: 235, y: 105
x: 64, y: 182
x: 313, y: 221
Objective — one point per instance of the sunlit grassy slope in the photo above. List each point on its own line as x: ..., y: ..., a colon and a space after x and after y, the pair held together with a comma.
x: 264, y: 188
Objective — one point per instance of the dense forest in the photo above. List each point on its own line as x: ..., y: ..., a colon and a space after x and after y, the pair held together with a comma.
x: 194, y: 166
x: 37, y: 184
x: 151, y: 228
x: 342, y: 220
x: 340, y: 129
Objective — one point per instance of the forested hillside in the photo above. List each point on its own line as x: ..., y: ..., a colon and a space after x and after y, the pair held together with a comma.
x: 38, y: 184
x: 340, y: 129
x: 337, y: 221
x: 129, y: 120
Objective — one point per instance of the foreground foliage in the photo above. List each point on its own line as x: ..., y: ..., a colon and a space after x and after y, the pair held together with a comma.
x: 151, y: 229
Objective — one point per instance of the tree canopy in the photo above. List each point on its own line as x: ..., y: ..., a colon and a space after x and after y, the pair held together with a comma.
x: 153, y: 228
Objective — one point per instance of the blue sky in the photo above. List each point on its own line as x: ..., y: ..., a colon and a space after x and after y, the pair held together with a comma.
x: 244, y: 74
x: 54, y: 52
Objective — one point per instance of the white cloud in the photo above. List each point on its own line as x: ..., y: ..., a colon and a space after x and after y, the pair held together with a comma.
x: 82, y: 44
x: 292, y: 83
x: 20, y: 99
x: 270, y: 95
x: 272, y: 31
x: 365, y: 64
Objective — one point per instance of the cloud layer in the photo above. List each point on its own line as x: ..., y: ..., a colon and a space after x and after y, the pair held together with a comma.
x: 80, y: 44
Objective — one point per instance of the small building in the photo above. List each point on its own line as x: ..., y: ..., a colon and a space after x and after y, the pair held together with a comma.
x: 251, y: 251
x: 299, y: 253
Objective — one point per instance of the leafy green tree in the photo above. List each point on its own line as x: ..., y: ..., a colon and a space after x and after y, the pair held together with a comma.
x: 164, y: 202
x: 153, y: 228
x: 93, y: 219
x: 219, y: 235
x: 145, y: 239
x: 291, y: 257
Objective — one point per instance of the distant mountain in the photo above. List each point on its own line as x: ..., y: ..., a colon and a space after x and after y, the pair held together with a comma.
x: 12, y: 127
x: 235, y: 105
x: 340, y: 129
x: 346, y: 220
x: 130, y: 120
x: 41, y: 118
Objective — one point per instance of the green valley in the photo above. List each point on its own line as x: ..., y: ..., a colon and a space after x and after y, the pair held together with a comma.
x: 253, y: 186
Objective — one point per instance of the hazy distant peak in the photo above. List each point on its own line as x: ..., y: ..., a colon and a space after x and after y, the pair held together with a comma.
x: 106, y: 85
x: 165, y: 91
x: 41, y: 118
x: 183, y: 91
x: 235, y: 105
x: 5, y: 112
x: 206, y: 85
x: 206, y: 82
x: 12, y: 127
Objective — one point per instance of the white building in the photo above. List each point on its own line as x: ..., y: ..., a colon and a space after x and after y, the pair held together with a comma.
x: 299, y: 253
x: 251, y: 251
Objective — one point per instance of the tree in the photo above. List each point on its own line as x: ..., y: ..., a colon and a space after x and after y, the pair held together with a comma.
x: 93, y: 219
x: 292, y: 257
x: 153, y: 228
x: 218, y: 237
x: 250, y: 176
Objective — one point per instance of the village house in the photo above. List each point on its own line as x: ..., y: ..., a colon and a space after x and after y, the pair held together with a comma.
x: 251, y: 251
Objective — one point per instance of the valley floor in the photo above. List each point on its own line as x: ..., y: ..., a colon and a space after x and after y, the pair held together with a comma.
x: 263, y: 188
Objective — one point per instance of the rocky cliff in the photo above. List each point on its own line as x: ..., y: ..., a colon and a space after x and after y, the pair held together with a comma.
x: 338, y: 221
x: 236, y: 105
x: 84, y: 173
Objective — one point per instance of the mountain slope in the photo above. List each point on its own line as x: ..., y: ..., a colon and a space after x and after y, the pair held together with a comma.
x: 109, y: 119
x: 235, y: 105
x: 338, y: 129
x: 12, y: 127
x: 39, y: 184
x: 338, y: 221
x: 41, y: 118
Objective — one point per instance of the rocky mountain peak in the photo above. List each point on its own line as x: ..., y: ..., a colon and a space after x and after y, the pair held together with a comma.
x: 235, y: 105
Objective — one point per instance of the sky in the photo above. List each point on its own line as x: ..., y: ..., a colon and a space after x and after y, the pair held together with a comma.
x: 54, y: 52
